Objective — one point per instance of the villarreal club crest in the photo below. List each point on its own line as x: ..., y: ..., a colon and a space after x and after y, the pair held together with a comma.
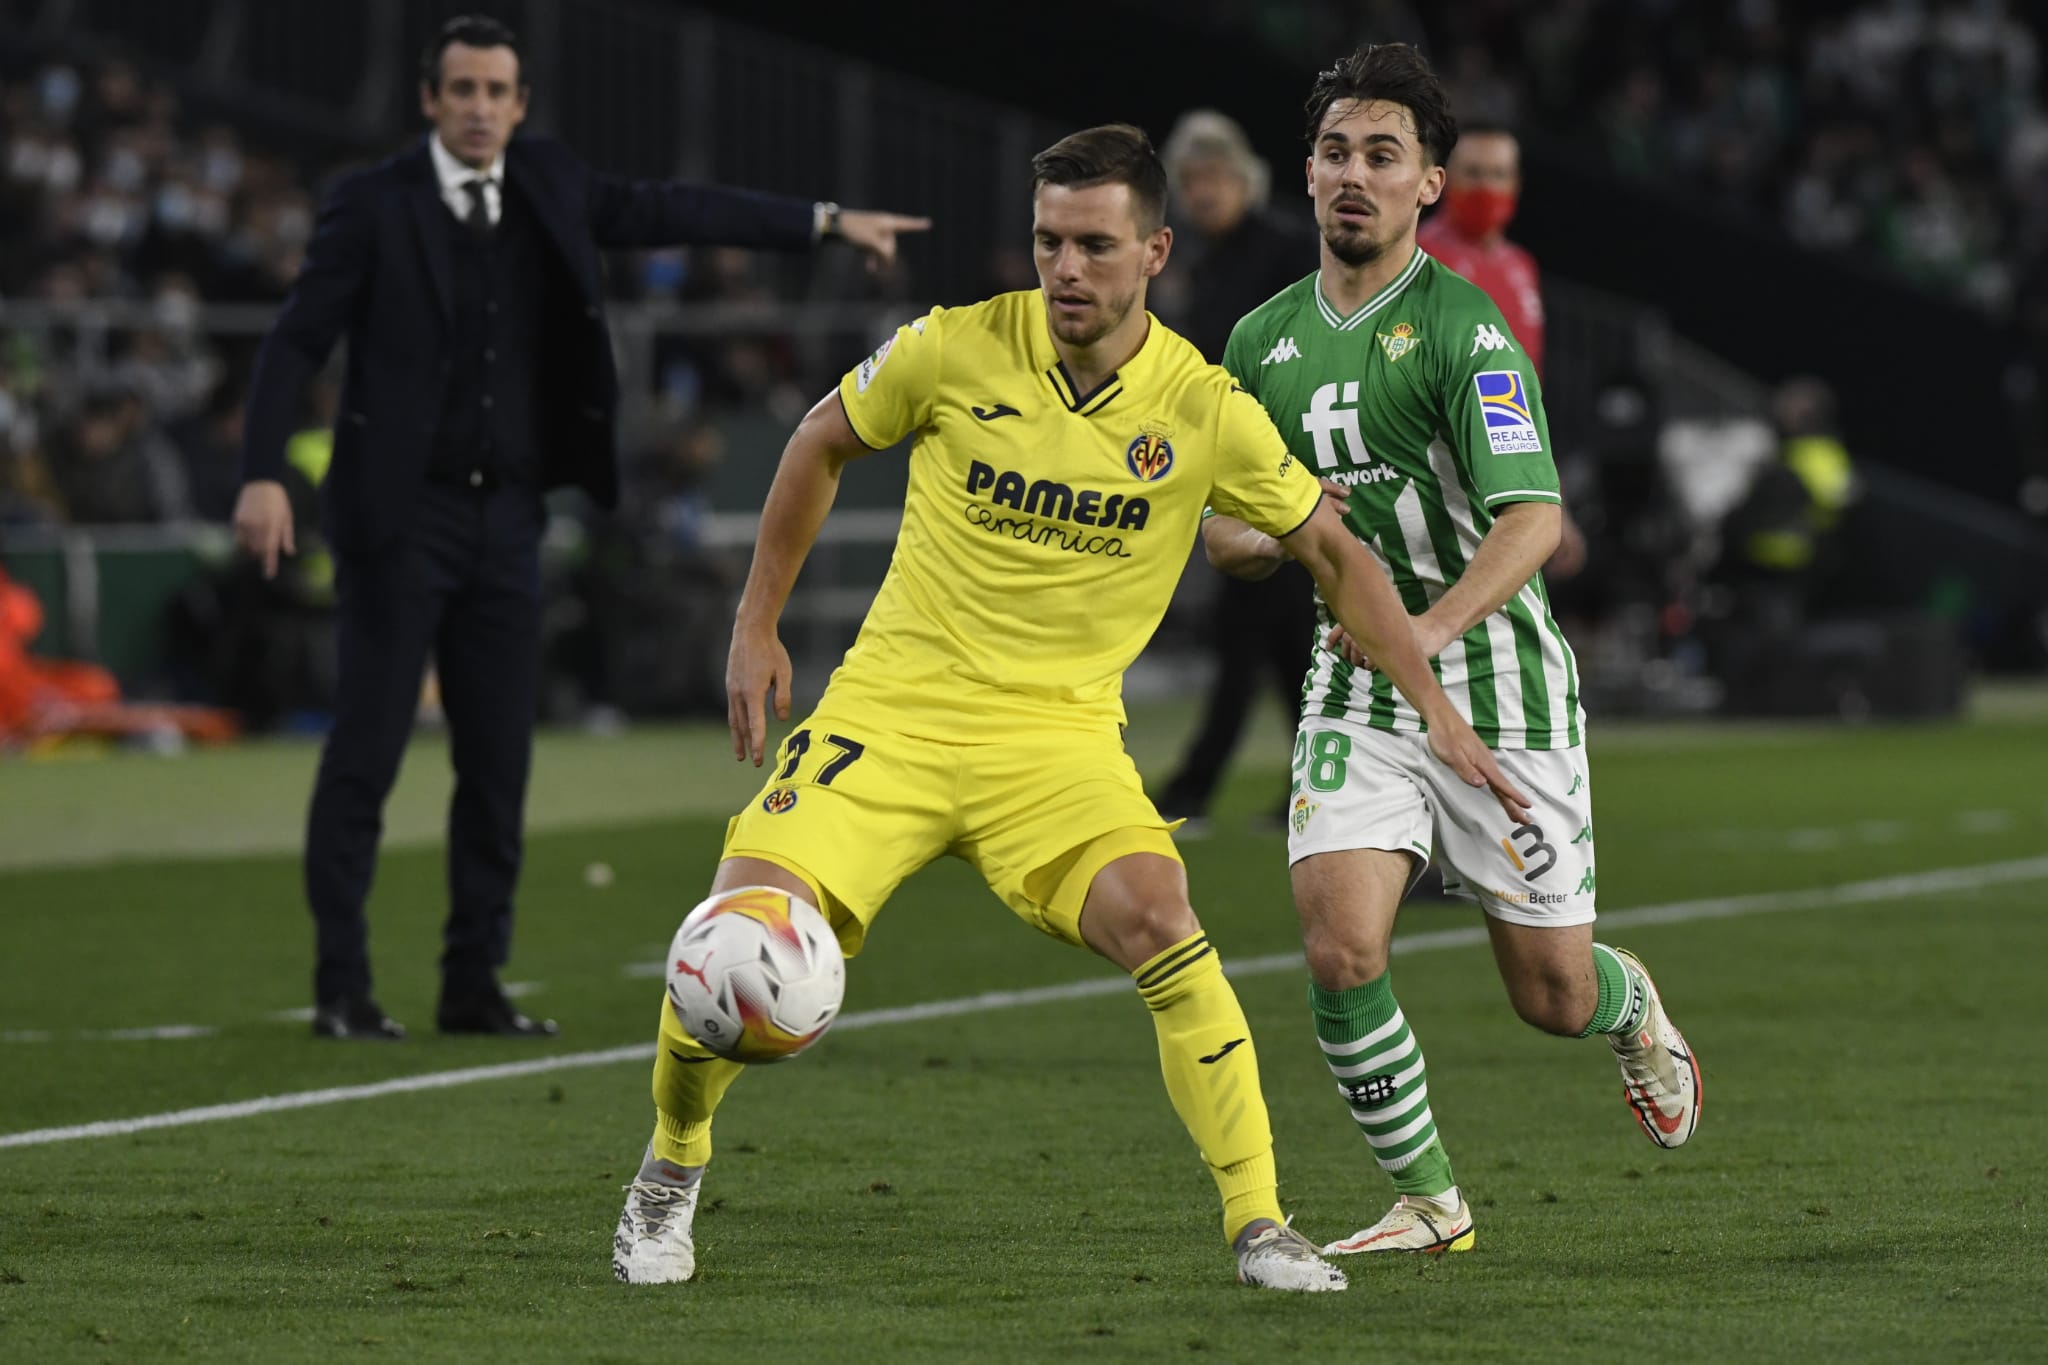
x: 1150, y: 456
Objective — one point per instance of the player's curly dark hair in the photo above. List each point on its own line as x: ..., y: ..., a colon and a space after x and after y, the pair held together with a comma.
x: 1397, y: 73
x: 1113, y: 154
x: 471, y: 30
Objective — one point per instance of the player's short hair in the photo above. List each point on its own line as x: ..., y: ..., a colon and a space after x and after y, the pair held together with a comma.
x: 1113, y: 154
x: 1398, y: 74
x: 471, y: 30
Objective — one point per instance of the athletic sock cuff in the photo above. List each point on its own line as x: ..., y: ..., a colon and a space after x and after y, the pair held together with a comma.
x: 1170, y: 975
x: 679, y: 1142
x: 1250, y: 1191
x: 1342, y: 1016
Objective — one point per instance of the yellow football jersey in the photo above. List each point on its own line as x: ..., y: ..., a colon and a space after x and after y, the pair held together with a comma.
x: 1043, y: 529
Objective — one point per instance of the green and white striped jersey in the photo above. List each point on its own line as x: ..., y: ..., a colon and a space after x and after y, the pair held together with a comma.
x: 1422, y: 402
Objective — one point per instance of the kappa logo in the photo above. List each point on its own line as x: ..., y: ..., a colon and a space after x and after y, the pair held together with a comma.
x: 1488, y: 337
x: 1510, y: 425
x: 780, y: 801
x: 1283, y: 351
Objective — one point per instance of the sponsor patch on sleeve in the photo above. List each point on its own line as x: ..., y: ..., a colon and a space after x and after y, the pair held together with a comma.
x: 868, y: 368
x: 1510, y: 426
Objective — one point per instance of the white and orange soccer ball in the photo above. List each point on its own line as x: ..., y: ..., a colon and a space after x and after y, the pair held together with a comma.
x: 755, y: 974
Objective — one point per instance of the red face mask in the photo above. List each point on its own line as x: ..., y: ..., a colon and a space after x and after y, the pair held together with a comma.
x: 1479, y: 212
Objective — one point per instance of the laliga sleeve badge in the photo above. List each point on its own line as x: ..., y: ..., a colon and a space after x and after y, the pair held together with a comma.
x: 869, y: 367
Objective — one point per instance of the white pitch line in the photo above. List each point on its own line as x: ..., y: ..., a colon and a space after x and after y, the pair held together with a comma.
x: 1950, y: 879
x: 110, y: 1035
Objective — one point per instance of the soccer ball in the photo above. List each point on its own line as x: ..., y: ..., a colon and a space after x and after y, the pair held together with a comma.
x: 755, y: 974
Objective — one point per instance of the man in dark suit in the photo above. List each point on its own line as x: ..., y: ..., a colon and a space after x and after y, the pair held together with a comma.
x: 464, y: 274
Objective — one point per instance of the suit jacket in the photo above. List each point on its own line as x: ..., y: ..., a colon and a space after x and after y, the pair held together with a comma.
x: 377, y: 271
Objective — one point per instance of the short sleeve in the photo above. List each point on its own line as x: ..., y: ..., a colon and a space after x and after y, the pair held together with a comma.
x: 889, y: 395
x: 1237, y: 357
x: 1257, y: 478
x: 1493, y: 408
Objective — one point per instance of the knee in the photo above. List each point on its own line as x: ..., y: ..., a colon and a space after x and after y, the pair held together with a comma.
x: 1339, y: 962
x: 1552, y: 1002
x: 1138, y: 931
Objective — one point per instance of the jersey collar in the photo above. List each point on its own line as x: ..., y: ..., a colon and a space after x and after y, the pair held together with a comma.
x: 1054, y: 371
x: 1372, y: 305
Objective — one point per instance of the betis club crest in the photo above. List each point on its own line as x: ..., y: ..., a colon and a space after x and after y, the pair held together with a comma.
x: 1398, y: 342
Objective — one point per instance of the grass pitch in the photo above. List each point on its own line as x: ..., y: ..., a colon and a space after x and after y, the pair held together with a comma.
x: 1867, y: 1181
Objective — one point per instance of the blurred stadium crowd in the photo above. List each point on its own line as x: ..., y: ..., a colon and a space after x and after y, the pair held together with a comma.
x: 143, y: 243
x: 1910, y: 130
x: 109, y: 193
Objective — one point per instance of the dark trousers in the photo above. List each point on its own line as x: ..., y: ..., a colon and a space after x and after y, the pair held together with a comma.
x: 462, y: 582
x: 1262, y: 631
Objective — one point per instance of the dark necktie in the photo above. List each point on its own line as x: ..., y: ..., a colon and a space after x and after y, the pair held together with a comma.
x: 478, y: 219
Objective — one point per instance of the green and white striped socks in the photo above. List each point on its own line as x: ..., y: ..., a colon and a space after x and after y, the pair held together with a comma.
x: 1378, y: 1065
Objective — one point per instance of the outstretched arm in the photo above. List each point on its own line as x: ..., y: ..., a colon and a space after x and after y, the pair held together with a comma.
x: 806, y: 482
x: 651, y: 213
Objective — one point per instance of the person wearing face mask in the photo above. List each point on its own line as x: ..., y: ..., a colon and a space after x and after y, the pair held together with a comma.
x: 1468, y: 232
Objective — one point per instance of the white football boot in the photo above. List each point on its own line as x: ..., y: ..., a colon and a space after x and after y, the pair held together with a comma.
x: 653, y: 1243
x: 1281, y: 1258
x: 1413, y: 1224
x: 1658, y: 1074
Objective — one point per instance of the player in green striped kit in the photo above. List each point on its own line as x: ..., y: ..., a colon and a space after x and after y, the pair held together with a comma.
x: 1388, y: 373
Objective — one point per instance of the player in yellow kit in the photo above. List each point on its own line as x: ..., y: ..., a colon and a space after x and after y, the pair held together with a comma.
x: 1065, y: 444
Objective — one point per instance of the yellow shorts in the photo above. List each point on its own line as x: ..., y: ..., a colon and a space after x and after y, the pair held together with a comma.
x: 853, y: 808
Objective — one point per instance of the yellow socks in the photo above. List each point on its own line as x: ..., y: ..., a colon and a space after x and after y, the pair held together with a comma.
x: 1212, y: 1076
x: 689, y: 1081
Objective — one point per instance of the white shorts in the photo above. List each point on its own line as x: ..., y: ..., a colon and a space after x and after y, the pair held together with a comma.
x: 1357, y: 787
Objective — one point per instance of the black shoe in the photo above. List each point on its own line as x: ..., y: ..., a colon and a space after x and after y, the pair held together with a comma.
x: 489, y: 1012
x: 355, y: 1017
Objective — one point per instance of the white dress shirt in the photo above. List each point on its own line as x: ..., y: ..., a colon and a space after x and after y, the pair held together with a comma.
x: 454, y: 174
